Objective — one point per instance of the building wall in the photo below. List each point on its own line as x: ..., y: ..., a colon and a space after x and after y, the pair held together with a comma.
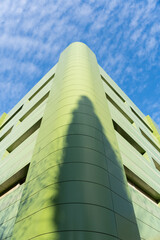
x: 68, y: 149
x: 18, y: 134
x: 142, y: 163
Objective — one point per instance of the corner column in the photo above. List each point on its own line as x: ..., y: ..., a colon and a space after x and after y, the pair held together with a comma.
x: 69, y: 192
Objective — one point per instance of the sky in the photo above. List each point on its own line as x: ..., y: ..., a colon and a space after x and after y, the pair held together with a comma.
x: 124, y: 35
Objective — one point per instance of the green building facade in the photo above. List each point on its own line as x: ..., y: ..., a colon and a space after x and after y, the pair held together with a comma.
x: 79, y: 161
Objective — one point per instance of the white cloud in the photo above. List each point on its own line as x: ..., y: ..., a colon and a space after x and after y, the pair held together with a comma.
x: 137, y: 15
x: 11, y: 89
x: 33, y: 35
x: 137, y: 34
x: 155, y: 28
x: 151, y: 43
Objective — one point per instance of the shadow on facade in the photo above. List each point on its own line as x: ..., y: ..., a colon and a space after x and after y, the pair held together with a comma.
x: 84, y: 195
x: 86, y: 202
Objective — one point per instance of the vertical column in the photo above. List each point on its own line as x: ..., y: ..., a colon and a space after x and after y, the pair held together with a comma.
x: 154, y: 127
x: 69, y: 190
x: 2, y: 118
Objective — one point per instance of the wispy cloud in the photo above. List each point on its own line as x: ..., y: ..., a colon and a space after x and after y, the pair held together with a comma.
x: 9, y: 88
x: 123, y: 34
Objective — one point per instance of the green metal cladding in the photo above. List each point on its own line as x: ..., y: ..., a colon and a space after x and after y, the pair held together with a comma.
x: 76, y: 186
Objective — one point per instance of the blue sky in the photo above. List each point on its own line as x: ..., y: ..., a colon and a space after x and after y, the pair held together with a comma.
x: 124, y: 35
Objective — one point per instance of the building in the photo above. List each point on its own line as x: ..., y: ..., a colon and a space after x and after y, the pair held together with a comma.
x: 79, y: 161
